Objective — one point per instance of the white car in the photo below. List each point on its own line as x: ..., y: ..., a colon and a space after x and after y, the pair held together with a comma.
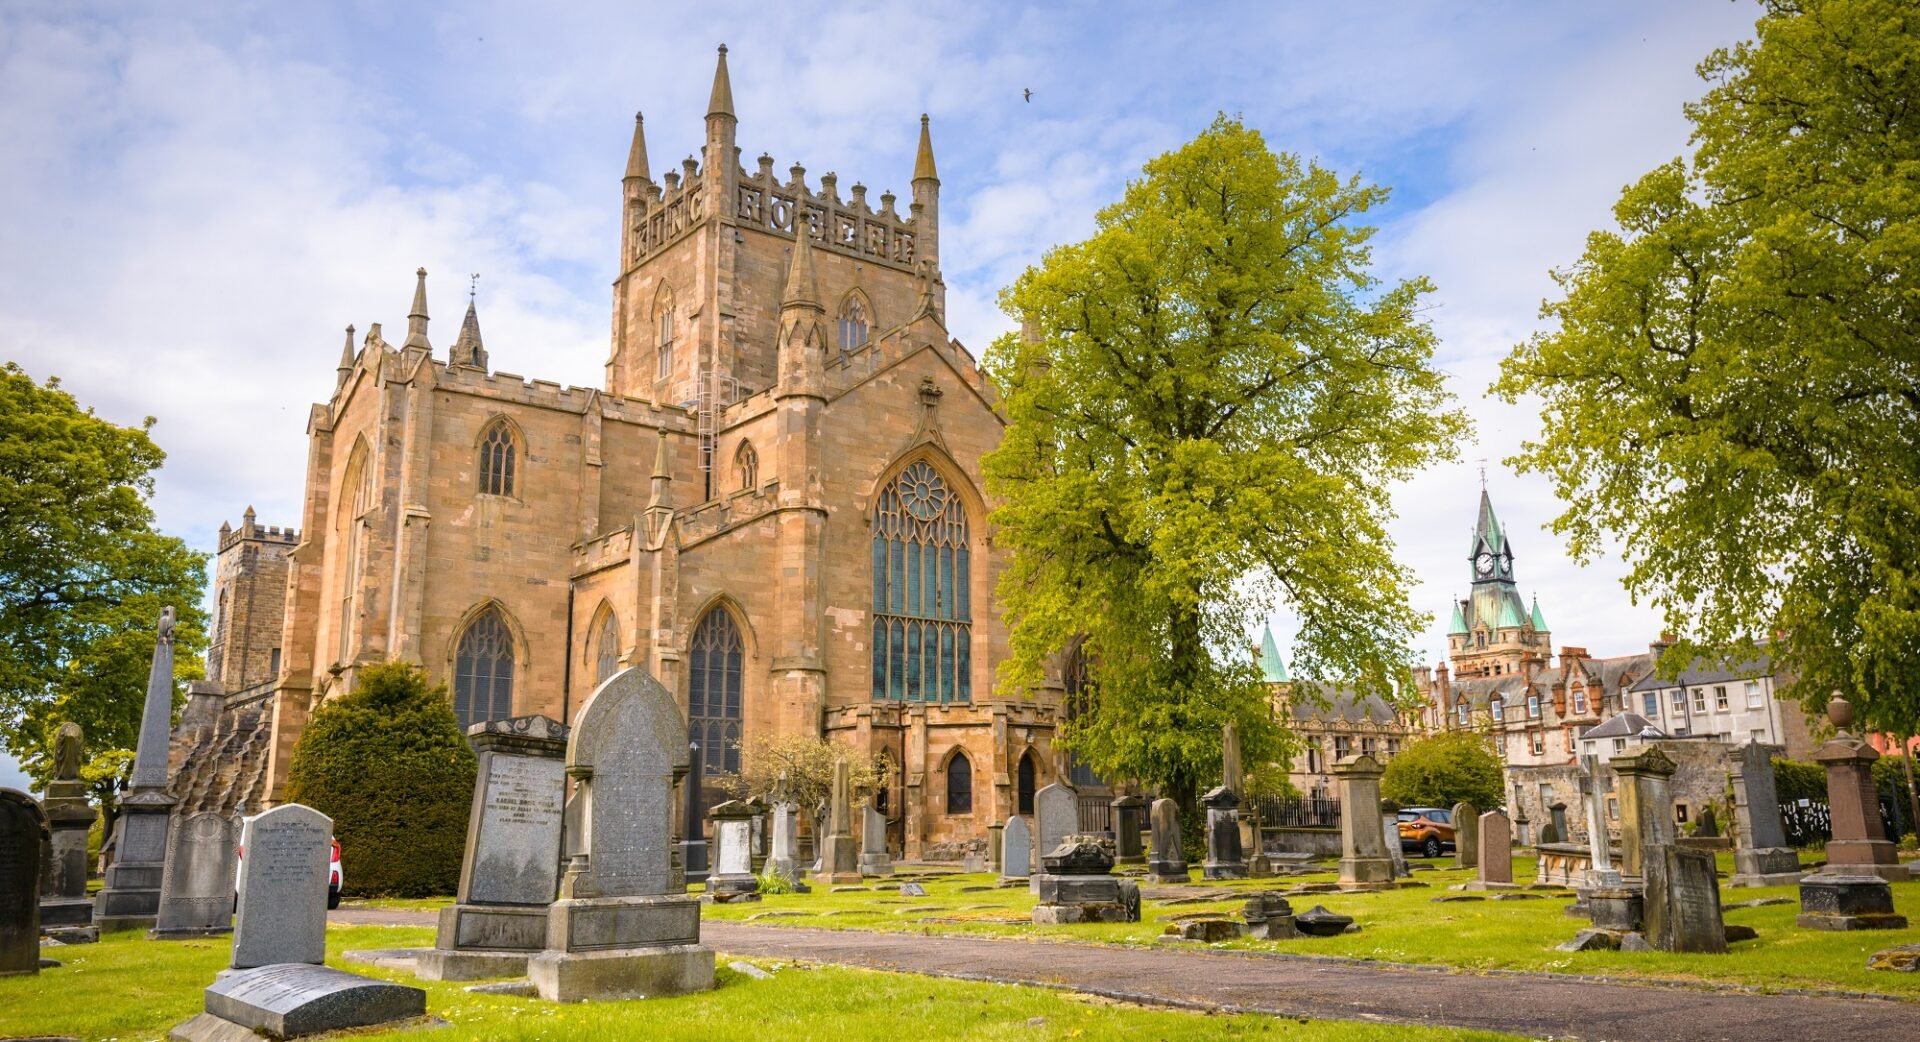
x: 334, y: 875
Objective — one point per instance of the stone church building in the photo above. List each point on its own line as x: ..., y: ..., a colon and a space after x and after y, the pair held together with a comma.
x: 774, y: 503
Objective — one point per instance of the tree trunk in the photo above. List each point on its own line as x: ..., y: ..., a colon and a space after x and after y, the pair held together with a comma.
x: 1913, y: 796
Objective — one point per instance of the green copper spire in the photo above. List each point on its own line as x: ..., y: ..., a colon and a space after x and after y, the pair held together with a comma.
x: 1459, y: 623
x: 1272, y: 669
x: 1539, y: 620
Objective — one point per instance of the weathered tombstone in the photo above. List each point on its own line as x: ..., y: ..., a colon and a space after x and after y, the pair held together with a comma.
x: 1707, y: 825
x: 1225, y: 858
x: 1167, y: 860
x: 1466, y: 835
x: 1762, y: 857
x: 1390, y: 836
x: 1646, y: 810
x: 1129, y: 820
x: 511, y: 869
x: 840, y: 864
x: 282, y: 915
x: 624, y: 927
x: 1016, y: 860
x: 130, y: 900
x: 693, y: 843
x: 196, y: 891
x: 1557, y: 813
x: 291, y: 1000
x: 22, y: 829
x: 1614, y: 906
x: 1269, y: 917
x: 873, y: 843
x: 784, y: 859
x: 733, y: 878
x: 1056, y: 815
x: 1496, y: 850
x: 1851, y: 892
x: 1364, y: 861
x: 996, y: 840
x: 1683, y: 901
x: 66, y: 912
x: 1078, y: 887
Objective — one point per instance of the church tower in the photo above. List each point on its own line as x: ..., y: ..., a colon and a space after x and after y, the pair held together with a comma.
x: 1492, y: 631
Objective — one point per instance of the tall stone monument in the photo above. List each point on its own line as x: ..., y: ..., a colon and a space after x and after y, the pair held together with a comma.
x: 1613, y: 905
x: 733, y: 878
x: 1646, y: 806
x: 196, y: 890
x: 1167, y: 859
x: 784, y: 859
x: 1016, y: 846
x: 1364, y: 861
x: 873, y: 843
x: 1225, y: 857
x: 1466, y: 835
x: 22, y: 829
x: 1851, y: 892
x: 1129, y: 821
x: 282, y: 910
x: 66, y: 912
x: 511, y: 869
x: 130, y: 900
x: 1762, y: 857
x: 1390, y: 836
x: 840, y: 860
x: 693, y: 842
x: 623, y: 927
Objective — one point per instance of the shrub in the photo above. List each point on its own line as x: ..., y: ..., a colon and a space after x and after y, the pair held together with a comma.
x: 389, y: 765
x: 1444, y: 769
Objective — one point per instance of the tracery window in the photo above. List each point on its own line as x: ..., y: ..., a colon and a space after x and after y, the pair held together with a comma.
x: 607, y: 661
x: 496, y: 460
x: 360, y: 475
x: 663, y: 319
x: 483, y: 670
x: 959, y: 785
x: 747, y: 463
x: 922, y: 609
x: 713, y: 692
x: 853, y: 326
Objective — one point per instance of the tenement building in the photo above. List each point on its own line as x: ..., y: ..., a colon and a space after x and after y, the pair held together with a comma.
x: 774, y: 503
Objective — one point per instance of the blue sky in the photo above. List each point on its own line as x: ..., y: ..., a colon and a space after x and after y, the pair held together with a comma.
x: 198, y: 198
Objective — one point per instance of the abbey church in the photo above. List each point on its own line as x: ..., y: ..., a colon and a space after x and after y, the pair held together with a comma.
x: 774, y: 504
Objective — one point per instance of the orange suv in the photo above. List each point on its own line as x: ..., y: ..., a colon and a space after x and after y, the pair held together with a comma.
x: 1427, y: 831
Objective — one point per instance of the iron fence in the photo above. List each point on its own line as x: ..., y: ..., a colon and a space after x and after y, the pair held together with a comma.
x: 1810, y: 822
x: 1277, y: 812
x: 1096, y: 815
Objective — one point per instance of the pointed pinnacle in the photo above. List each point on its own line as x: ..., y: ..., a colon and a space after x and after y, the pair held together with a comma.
x: 417, y: 318
x: 923, y: 163
x: 660, y: 471
x: 637, y: 155
x: 346, y: 352
x: 801, y: 287
x: 721, y: 103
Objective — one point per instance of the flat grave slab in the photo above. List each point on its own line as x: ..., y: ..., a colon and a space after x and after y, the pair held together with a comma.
x: 287, y: 1000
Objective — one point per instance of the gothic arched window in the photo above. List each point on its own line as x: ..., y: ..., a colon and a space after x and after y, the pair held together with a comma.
x: 959, y: 785
x: 1028, y: 772
x: 607, y: 660
x: 483, y: 670
x: 853, y: 326
x: 360, y: 479
x: 713, y: 692
x: 747, y: 463
x: 922, y: 609
x: 496, y: 460
x: 663, y: 322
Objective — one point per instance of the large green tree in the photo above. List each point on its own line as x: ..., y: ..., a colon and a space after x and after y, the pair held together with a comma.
x: 83, y: 578
x: 1444, y: 769
x: 1206, y: 407
x: 1732, y: 380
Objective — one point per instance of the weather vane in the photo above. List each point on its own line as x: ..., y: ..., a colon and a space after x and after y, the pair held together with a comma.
x: 473, y: 290
x: 1483, y: 462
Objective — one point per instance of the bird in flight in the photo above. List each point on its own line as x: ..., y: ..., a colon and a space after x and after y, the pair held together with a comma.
x: 1029, y: 95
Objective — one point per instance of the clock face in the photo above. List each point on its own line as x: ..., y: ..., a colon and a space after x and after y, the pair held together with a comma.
x: 1484, y: 563
x: 1506, y: 565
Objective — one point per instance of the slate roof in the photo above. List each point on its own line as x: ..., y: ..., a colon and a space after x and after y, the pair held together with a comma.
x: 1341, y: 703
x: 1624, y: 725
x: 1701, y: 671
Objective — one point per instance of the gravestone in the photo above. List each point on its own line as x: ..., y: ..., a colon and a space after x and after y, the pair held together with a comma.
x: 511, y: 869
x: 1707, y: 825
x: 784, y: 859
x: 1078, y: 887
x: 1390, y: 836
x: 1646, y: 808
x: 840, y: 863
x: 693, y: 845
x: 1851, y: 892
x: 1269, y: 917
x: 1496, y: 850
x: 22, y: 829
x: 1016, y: 844
x: 1683, y: 901
x: 1166, y: 859
x: 1129, y: 821
x: 282, y: 914
x: 66, y: 912
x: 196, y: 891
x: 1056, y: 815
x: 733, y: 878
x: 873, y: 843
x: 291, y: 1000
x: 1225, y: 858
x: 1762, y: 857
x: 1466, y: 835
x: 1557, y: 814
x: 1613, y: 906
x: 624, y: 926
x: 995, y: 840
x: 130, y: 900
x: 1364, y: 861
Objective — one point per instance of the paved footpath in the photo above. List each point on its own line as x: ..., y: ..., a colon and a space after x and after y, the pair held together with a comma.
x: 1534, y: 1005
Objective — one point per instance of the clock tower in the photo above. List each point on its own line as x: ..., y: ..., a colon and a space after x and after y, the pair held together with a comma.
x: 1493, y: 630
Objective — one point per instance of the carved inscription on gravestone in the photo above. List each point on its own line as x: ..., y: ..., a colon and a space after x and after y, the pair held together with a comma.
x: 519, y: 824
x: 282, y: 915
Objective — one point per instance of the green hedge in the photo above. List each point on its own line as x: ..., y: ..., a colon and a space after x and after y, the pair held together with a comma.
x: 389, y: 765
x: 1444, y: 769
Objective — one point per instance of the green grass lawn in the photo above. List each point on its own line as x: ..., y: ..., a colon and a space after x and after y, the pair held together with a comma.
x: 1397, y: 926
x: 127, y: 988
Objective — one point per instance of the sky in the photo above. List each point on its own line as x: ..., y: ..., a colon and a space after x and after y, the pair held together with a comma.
x: 196, y: 199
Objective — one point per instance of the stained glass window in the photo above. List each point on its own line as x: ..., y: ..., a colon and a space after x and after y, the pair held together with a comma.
x: 959, y: 785
x: 713, y: 692
x: 922, y: 632
x: 483, y: 671
x: 496, y: 460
